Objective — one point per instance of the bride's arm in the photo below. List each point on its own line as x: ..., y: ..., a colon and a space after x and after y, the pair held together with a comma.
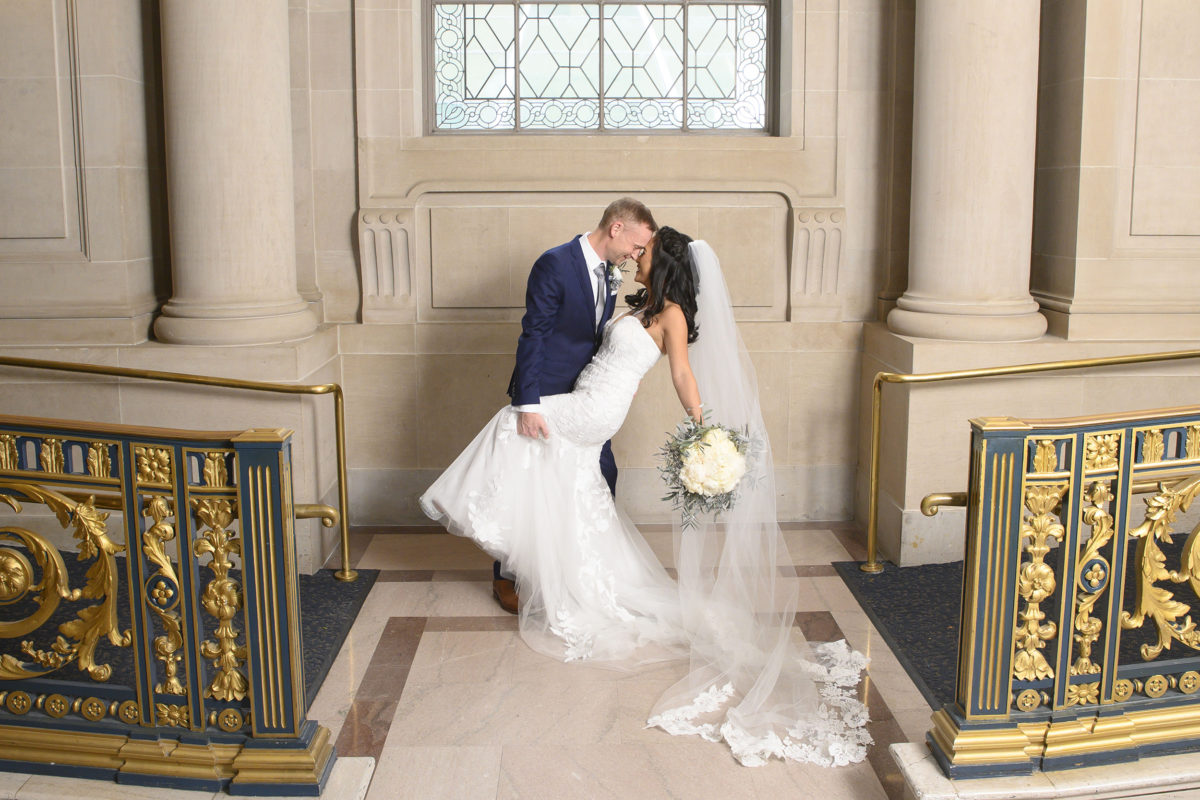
x: 676, y: 347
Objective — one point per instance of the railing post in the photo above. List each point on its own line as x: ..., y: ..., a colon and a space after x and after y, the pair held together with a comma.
x: 272, y: 619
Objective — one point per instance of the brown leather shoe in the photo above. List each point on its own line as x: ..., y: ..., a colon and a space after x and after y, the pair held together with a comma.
x: 505, y: 593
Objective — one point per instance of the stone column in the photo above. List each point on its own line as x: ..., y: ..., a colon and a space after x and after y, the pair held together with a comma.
x: 227, y: 109
x: 974, y: 132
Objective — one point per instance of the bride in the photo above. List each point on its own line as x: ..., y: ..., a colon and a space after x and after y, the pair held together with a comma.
x: 590, y: 587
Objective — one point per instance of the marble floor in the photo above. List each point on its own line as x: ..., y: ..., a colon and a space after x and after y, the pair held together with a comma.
x: 435, y: 683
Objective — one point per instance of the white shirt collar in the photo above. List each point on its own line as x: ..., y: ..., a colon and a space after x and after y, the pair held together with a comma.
x: 590, y: 256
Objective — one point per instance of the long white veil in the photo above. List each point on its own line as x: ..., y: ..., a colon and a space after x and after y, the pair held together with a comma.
x: 754, y: 681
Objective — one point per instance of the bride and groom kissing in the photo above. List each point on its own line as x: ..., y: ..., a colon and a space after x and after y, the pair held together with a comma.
x: 536, y: 487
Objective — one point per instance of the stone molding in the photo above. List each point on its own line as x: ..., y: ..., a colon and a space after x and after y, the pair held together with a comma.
x: 383, y: 250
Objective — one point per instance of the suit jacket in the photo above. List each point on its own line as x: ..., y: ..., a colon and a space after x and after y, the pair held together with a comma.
x: 558, y: 332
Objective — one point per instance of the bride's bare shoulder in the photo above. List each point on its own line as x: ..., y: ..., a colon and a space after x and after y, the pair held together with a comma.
x: 672, y: 314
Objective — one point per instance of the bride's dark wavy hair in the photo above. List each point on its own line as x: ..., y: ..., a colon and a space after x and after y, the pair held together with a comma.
x: 672, y: 277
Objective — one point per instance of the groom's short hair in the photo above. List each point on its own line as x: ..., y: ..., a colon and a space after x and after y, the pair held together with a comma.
x: 628, y: 210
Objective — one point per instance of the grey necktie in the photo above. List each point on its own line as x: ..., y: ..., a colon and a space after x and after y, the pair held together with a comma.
x: 601, y: 290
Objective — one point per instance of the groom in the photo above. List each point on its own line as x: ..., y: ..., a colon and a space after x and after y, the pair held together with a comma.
x: 568, y: 300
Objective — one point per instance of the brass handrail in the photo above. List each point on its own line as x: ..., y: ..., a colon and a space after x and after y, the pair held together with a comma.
x: 872, y: 564
x: 345, y: 573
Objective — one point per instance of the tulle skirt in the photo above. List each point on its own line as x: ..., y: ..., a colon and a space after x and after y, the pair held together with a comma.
x: 590, y: 586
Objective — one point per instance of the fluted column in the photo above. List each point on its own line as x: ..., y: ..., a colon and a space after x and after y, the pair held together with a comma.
x: 227, y: 108
x: 974, y: 130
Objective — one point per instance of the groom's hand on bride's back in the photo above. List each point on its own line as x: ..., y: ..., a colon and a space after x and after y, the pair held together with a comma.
x: 532, y: 424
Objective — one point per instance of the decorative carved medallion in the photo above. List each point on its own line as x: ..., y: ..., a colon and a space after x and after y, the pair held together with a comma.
x: 153, y: 464
x: 1101, y: 451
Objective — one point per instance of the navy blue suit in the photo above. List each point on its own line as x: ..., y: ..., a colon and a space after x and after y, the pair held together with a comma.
x: 558, y: 332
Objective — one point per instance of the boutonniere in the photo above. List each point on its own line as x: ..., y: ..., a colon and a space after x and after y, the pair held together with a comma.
x: 616, y: 276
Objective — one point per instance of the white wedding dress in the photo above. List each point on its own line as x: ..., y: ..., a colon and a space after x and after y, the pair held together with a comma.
x: 591, y: 588
x: 589, y: 585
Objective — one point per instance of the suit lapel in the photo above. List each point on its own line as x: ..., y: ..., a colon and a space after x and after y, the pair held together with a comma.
x: 584, y: 274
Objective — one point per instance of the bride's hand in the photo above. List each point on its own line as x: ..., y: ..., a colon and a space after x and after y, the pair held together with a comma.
x: 533, y: 425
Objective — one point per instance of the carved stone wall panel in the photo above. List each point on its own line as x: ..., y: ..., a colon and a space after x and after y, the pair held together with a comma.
x: 474, y: 250
x: 39, y: 182
x: 1166, y: 156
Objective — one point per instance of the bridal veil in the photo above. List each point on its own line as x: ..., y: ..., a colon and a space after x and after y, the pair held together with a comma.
x: 754, y: 681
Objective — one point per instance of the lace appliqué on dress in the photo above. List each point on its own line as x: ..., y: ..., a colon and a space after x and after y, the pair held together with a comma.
x: 593, y: 517
x: 833, y: 734
x: 682, y: 721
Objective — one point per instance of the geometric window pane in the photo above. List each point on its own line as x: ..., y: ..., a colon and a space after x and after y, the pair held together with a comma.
x: 474, y: 67
x: 592, y: 65
x: 559, y: 65
x: 727, y: 66
x: 643, y: 66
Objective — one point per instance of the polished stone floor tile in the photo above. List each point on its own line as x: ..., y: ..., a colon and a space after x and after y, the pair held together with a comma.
x: 422, y: 551
x: 675, y: 769
x: 855, y: 782
x: 814, y: 547
x: 366, y: 728
x: 472, y: 691
x: 506, y: 713
x: 436, y: 773
x: 10, y: 782
x: 440, y: 599
x: 446, y: 657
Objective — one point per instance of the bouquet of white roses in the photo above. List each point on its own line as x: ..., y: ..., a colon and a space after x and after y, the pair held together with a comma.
x: 703, y: 466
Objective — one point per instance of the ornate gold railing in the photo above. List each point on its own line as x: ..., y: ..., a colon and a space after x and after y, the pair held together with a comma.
x: 329, y: 517
x: 872, y: 563
x: 187, y: 578
x: 1078, y: 643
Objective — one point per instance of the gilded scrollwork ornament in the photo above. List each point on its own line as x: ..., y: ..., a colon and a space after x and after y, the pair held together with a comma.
x: 222, y: 598
x: 1036, y: 581
x: 162, y: 596
x: 78, y: 637
x: 1092, y: 577
x: 1170, y: 616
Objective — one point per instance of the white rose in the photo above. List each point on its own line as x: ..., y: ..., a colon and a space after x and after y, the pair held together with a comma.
x: 713, y: 466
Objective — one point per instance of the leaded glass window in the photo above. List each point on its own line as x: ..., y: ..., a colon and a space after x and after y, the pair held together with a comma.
x: 607, y: 66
